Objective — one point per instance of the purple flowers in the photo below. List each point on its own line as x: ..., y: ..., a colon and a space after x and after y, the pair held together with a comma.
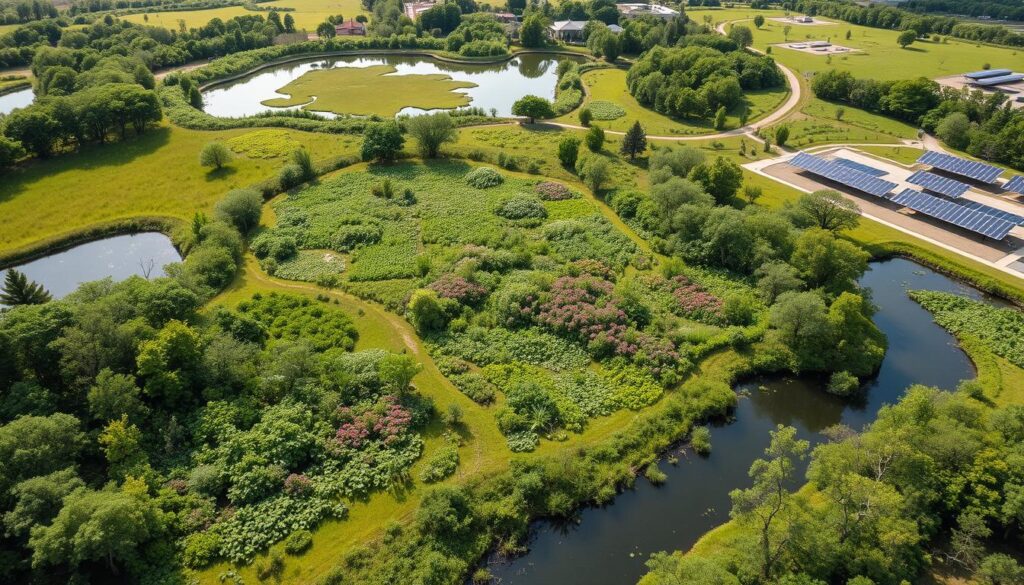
x: 452, y: 286
x: 387, y: 421
x: 298, y: 484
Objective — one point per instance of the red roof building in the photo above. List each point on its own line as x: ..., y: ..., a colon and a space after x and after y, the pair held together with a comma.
x: 350, y: 28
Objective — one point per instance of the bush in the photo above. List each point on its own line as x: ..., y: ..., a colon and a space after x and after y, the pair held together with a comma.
x: 595, y: 138
x: 215, y: 155
x: 521, y: 208
x: 240, y: 208
x: 654, y: 474
x: 441, y: 465
x: 431, y: 131
x: 843, y: 384
x: 568, y: 151
x: 201, y: 549
x: 484, y: 178
x: 551, y: 191
x: 298, y: 542
x: 586, y: 115
x: 700, y: 440
x: 603, y: 110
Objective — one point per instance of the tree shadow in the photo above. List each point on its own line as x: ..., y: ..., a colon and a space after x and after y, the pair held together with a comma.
x: 221, y: 173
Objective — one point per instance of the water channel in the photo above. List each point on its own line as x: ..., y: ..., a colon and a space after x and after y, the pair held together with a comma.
x: 498, y: 85
x: 608, y: 545
x: 117, y: 257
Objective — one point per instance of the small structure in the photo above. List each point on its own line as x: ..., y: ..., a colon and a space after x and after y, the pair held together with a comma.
x: 1000, y: 80
x: 635, y: 10
x: 804, y: 19
x: 615, y: 28
x: 352, y: 28
x: 570, y: 31
x: 414, y: 9
x: 976, y: 75
x: 819, y: 44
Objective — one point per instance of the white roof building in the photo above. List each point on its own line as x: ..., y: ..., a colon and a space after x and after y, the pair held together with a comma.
x: 634, y: 10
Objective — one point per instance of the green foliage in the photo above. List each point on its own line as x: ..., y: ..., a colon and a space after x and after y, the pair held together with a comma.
x: 829, y: 210
x: 532, y: 107
x: 287, y: 317
x: 1001, y: 330
x: 215, y: 155
x: 442, y: 464
x: 586, y: 115
x: 595, y: 139
x: 382, y: 141
x: 568, y: 151
x: 19, y: 290
x: 484, y: 178
x: 426, y: 311
x: 605, y: 110
x: 843, y: 384
x: 241, y: 208
x: 635, y: 141
x: 502, y: 346
x: 522, y: 208
x: 700, y: 440
x: 594, y: 171
x: 431, y: 131
x: 298, y: 542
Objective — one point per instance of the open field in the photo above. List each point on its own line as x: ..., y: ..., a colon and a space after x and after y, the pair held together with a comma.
x: 156, y: 174
x: 307, y: 13
x: 881, y: 57
x: 371, y: 90
x: 609, y: 85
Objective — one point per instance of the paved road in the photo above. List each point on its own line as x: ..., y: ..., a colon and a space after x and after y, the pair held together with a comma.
x: 795, y: 94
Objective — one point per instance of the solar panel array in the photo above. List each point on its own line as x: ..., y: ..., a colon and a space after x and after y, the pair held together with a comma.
x: 958, y: 215
x: 840, y: 174
x: 937, y: 184
x: 1015, y: 184
x: 987, y: 210
x: 987, y: 73
x: 961, y: 166
x: 852, y: 164
x: 989, y: 81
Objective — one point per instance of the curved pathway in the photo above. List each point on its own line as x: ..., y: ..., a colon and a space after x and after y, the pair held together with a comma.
x: 795, y: 95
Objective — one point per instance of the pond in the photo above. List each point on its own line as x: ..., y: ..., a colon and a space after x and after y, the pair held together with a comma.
x: 118, y: 257
x: 16, y: 99
x: 609, y: 544
x: 498, y: 85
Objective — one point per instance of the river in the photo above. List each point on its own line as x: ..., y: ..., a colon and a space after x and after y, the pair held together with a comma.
x: 608, y: 545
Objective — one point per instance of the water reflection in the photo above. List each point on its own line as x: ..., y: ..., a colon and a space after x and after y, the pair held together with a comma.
x: 16, y: 99
x: 118, y: 257
x: 498, y: 85
x: 608, y: 545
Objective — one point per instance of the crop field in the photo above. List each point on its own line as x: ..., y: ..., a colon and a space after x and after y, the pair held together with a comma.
x: 609, y: 86
x: 307, y: 13
x: 371, y: 90
x: 880, y: 56
x: 131, y: 179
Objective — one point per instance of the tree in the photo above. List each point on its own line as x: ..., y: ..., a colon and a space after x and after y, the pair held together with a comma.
x: 10, y: 152
x: 593, y: 170
x: 303, y: 161
x: 531, y: 33
x: 906, y: 38
x: 611, y: 47
x: 799, y: 321
x: 741, y: 35
x: 829, y: 210
x: 325, y: 30
x: 1000, y: 569
x: 758, y: 21
x: 34, y: 128
x: 568, y: 151
x: 426, y: 312
x: 635, y: 141
x: 586, y: 116
x: 37, y: 500
x: 955, y: 130
x: 828, y: 262
x: 532, y: 107
x: 781, y: 135
x: 775, y: 278
x: 397, y: 370
x: 767, y: 501
x: 122, y: 444
x: 752, y: 193
x: 721, y: 178
x: 595, y: 138
x: 289, y: 23
x: 720, y: 115
x: 215, y: 155
x: 19, y: 290
x: 115, y: 395
x: 144, y: 77
x: 382, y: 141
x: 785, y: 32
x: 431, y: 131
x: 38, y: 445
x: 241, y: 208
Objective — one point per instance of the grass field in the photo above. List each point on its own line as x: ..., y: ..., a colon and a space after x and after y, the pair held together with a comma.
x: 371, y: 90
x: 880, y: 56
x: 816, y: 123
x: 307, y: 13
x: 610, y: 85
x: 157, y: 174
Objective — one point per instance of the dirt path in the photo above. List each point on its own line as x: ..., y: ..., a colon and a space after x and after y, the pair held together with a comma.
x: 180, y: 68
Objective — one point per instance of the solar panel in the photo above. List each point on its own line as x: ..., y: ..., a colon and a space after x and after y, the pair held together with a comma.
x: 852, y: 164
x: 961, y: 166
x: 1016, y: 184
x: 989, y: 81
x: 987, y: 73
x: 843, y: 175
x: 937, y: 184
x: 994, y: 212
x: 958, y: 215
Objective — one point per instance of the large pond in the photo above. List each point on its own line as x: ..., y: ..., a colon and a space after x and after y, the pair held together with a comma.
x: 118, y: 257
x: 498, y: 86
x: 609, y: 544
x: 16, y: 99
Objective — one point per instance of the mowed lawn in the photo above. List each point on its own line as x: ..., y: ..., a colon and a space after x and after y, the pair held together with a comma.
x: 157, y: 174
x: 307, y: 13
x: 880, y: 56
x: 609, y: 85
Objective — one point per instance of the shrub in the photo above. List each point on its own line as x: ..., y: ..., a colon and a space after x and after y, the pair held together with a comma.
x: 594, y: 171
x: 298, y: 542
x: 382, y: 141
x: 431, y: 131
x: 700, y: 440
x: 441, y: 465
x: 595, y: 138
x: 201, y: 549
x: 603, y: 110
x: 241, y: 208
x: 484, y: 178
x: 271, y: 244
x: 551, y: 191
x: 521, y: 208
x: 215, y: 155
x: 586, y: 115
x: 475, y: 386
x: 568, y: 151
x: 654, y: 474
x: 843, y: 384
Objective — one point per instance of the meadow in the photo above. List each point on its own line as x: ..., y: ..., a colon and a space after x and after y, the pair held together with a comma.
x: 880, y: 57
x: 371, y: 90
x: 132, y: 179
x: 307, y: 13
x: 608, y: 86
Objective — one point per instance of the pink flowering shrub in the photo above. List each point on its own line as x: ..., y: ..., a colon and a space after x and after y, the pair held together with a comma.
x: 551, y: 191
x: 582, y: 307
x: 298, y: 484
x: 386, y: 421
x: 593, y: 268
x: 694, y: 301
x: 453, y: 286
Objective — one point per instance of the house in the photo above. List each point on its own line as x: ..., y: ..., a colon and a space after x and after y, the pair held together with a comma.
x: 570, y: 31
x: 635, y: 10
x: 352, y: 28
x: 414, y: 9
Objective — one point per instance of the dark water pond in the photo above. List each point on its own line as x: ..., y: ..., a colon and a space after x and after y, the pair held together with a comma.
x: 16, y: 99
x: 118, y: 257
x: 609, y: 544
x: 498, y: 86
